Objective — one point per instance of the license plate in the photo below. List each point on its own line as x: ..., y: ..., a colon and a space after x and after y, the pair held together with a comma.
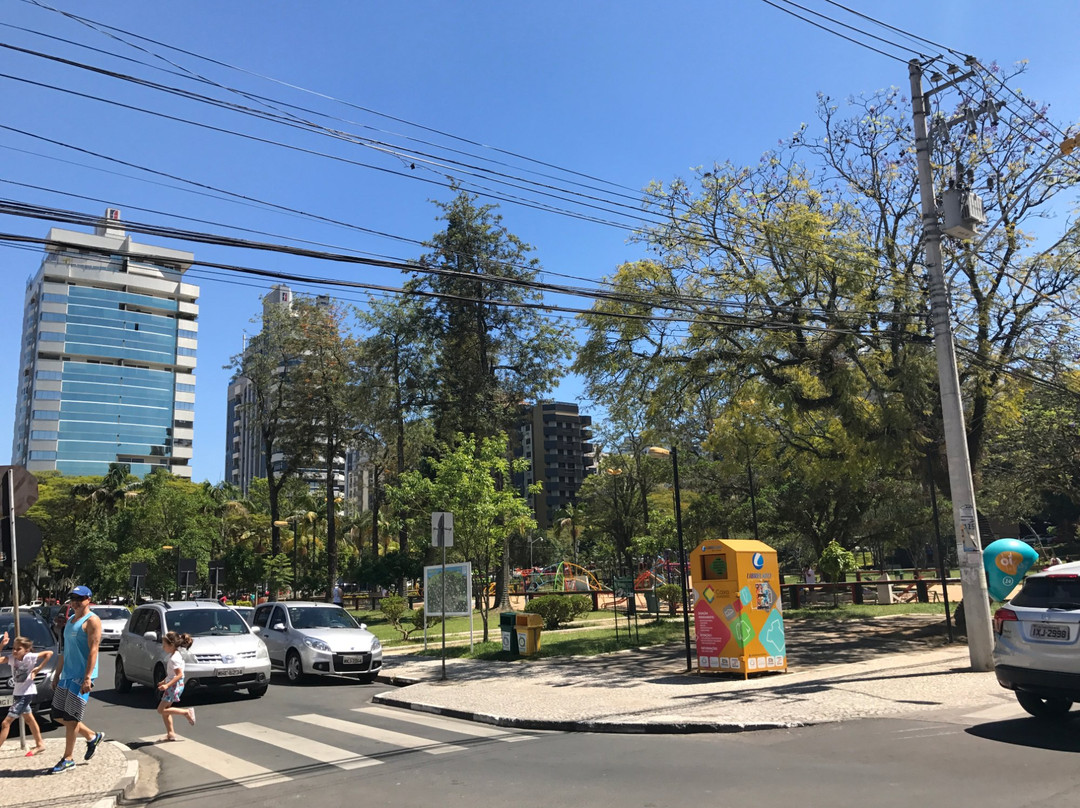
x: 1051, y: 632
x: 229, y: 671
x: 6, y: 701
x: 352, y: 660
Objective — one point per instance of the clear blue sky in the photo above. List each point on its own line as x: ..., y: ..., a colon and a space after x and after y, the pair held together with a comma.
x: 626, y: 91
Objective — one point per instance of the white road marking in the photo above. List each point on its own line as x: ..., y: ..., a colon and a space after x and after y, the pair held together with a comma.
x: 298, y: 744
x: 227, y: 766
x: 375, y: 734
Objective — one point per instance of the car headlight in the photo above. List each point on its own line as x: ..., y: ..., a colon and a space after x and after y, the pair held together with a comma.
x: 318, y: 645
x: 375, y: 644
x: 260, y: 651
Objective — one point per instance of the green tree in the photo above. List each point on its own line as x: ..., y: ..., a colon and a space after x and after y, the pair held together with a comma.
x: 489, y: 352
x: 268, y: 365
x: 462, y: 482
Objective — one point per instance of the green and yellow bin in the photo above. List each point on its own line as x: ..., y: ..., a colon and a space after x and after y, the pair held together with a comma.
x: 528, y: 633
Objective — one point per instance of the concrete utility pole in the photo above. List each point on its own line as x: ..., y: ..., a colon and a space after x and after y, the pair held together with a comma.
x: 968, y: 545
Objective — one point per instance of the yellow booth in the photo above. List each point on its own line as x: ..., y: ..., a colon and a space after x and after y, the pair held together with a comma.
x: 738, y: 624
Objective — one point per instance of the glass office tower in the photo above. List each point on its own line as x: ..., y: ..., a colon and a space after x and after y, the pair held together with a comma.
x: 106, y: 373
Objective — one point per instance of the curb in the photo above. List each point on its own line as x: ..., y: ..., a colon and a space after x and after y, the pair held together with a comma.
x: 589, y: 725
x: 127, y: 782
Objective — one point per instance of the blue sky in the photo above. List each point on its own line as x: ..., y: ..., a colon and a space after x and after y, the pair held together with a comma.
x: 626, y: 92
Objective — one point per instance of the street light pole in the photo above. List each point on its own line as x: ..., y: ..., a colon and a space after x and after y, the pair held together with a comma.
x: 753, y: 499
x: 674, y: 453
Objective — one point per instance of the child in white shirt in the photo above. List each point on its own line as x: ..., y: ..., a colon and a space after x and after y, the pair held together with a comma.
x: 172, y: 686
x: 25, y: 665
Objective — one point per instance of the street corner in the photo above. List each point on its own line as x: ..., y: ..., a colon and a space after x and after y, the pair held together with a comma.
x: 95, y: 783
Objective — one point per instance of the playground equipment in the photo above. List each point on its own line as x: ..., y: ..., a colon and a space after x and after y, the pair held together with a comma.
x: 568, y: 577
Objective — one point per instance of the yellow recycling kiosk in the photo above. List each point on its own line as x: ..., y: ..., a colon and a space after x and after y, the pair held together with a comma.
x: 738, y: 624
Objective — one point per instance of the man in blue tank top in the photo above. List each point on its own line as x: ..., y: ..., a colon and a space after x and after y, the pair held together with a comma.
x: 76, y: 671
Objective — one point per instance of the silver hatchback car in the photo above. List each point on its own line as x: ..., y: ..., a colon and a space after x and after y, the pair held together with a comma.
x: 225, y: 655
x: 1037, y: 642
x: 308, y: 637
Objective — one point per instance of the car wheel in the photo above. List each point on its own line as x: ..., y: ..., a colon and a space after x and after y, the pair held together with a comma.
x: 1043, y: 708
x: 120, y: 681
x: 159, y: 676
x: 257, y: 691
x: 294, y: 667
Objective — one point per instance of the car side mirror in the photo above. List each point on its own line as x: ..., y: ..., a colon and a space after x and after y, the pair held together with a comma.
x: 152, y: 635
x: 255, y: 629
x: 278, y: 626
x: 363, y: 625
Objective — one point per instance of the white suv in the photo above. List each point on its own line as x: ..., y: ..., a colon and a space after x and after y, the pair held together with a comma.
x: 1037, y: 648
x: 225, y: 653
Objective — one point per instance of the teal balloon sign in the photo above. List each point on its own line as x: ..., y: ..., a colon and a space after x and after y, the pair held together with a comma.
x: 1005, y: 562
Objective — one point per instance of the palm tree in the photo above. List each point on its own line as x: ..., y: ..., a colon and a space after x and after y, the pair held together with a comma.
x: 569, y: 523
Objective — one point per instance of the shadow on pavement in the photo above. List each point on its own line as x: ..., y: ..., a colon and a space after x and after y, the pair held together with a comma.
x: 1059, y: 736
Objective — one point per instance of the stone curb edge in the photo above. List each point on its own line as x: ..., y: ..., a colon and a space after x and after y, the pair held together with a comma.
x: 591, y: 725
x: 126, y: 782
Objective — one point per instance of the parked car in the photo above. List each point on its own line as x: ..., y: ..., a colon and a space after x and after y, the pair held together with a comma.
x: 1037, y: 642
x: 225, y: 655
x: 321, y: 638
x: 113, y: 620
x: 37, y: 631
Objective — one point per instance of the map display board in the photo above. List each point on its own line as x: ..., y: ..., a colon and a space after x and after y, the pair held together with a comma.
x: 458, y: 590
x: 738, y: 622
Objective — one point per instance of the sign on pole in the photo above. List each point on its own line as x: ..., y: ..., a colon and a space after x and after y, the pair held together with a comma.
x: 458, y: 580
x: 442, y: 529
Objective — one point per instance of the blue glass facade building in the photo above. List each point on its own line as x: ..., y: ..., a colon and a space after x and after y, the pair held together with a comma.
x: 109, y: 348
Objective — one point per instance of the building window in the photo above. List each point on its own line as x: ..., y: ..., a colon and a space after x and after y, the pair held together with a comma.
x: 185, y: 388
x: 48, y: 375
x: 51, y: 336
x: 43, y: 434
x: 183, y: 333
x: 53, y: 317
x: 186, y: 352
x: 184, y: 405
x: 50, y: 297
x: 47, y: 395
x: 46, y: 415
x: 40, y: 455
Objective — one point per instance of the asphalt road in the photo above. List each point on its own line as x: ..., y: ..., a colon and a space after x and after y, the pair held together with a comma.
x: 321, y: 743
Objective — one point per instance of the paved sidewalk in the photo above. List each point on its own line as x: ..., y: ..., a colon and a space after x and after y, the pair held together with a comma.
x: 25, y: 782
x: 837, y: 671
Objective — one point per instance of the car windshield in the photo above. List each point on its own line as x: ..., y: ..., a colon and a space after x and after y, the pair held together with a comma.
x: 205, y: 622
x: 32, y: 628
x: 111, y: 612
x: 320, y: 617
x: 1050, y: 592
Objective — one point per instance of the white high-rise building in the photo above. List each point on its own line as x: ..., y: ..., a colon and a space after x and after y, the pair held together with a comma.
x: 107, y: 364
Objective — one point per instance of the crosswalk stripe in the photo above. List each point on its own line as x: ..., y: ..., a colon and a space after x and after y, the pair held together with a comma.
x: 221, y: 763
x: 376, y: 734
x: 438, y: 722
x: 306, y: 747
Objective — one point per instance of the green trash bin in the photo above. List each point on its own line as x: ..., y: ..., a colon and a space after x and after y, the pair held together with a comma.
x: 508, y: 630
x: 652, y: 603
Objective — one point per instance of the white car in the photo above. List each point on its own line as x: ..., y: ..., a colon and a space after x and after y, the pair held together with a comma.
x: 307, y: 637
x: 1037, y: 642
x: 225, y: 654
x: 113, y: 620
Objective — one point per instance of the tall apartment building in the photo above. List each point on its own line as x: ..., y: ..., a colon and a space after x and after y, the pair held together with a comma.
x: 554, y: 437
x: 245, y: 459
x: 107, y: 362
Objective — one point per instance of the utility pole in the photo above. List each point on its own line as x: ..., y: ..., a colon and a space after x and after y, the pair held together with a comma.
x: 968, y: 544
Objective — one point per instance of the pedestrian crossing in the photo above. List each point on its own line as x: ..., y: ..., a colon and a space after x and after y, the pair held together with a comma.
x: 254, y: 755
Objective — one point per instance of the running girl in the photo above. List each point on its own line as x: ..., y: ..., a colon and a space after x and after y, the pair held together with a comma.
x: 25, y: 665
x: 173, y: 685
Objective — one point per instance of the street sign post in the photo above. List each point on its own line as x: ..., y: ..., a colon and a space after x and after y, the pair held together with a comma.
x: 20, y: 491
x: 217, y: 575
x: 139, y: 570
x: 442, y: 535
x: 185, y: 572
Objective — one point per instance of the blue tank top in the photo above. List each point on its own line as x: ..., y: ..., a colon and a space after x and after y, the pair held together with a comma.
x: 77, y: 650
